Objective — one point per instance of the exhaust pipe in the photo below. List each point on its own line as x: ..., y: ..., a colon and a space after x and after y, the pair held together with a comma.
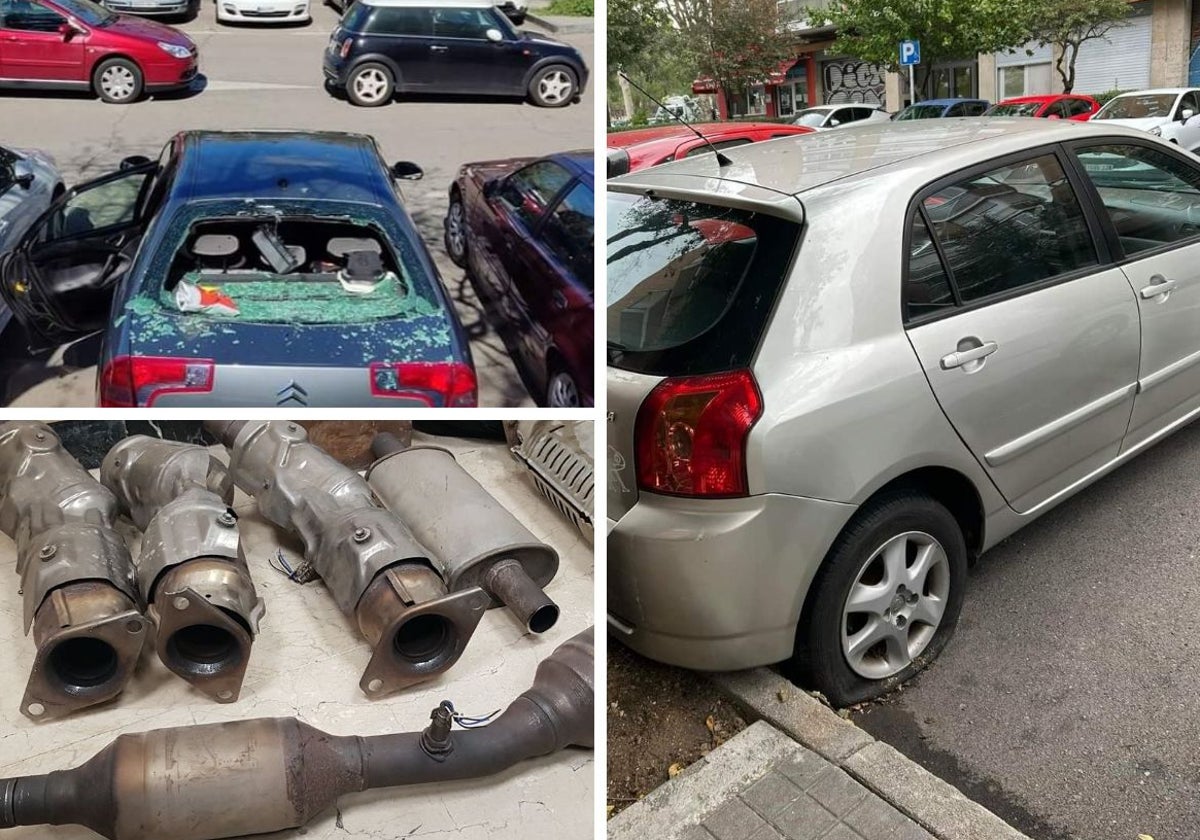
x: 375, y: 569
x: 76, y: 574
x: 474, y: 537
x: 191, y: 569
x: 270, y: 774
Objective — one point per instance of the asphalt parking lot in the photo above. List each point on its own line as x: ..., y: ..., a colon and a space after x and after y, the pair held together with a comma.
x: 270, y: 77
x: 1067, y: 701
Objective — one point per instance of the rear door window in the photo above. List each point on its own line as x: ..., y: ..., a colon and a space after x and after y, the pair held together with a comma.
x: 691, y: 285
x: 529, y: 191
x: 398, y: 20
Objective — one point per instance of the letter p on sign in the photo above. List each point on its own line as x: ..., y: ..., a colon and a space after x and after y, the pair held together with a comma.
x: 910, y: 53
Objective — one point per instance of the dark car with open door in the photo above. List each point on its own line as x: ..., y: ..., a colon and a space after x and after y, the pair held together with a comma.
x: 246, y: 269
x: 523, y: 230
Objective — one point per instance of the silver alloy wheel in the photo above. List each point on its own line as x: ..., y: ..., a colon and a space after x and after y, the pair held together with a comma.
x: 370, y: 85
x: 562, y: 392
x: 895, y: 605
x: 456, y: 229
x: 555, y: 87
x: 118, y: 82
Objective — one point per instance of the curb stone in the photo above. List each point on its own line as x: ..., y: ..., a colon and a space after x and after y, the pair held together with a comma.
x: 935, y: 805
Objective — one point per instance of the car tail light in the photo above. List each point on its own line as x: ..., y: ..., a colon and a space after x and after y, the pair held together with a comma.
x: 691, y: 431
x: 450, y: 383
x: 129, y: 381
x: 346, y: 45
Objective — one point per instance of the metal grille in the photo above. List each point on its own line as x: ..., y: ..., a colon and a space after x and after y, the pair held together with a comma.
x: 562, y: 467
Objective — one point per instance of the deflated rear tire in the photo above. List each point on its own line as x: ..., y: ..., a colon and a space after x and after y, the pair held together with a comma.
x: 370, y: 85
x: 885, y: 601
x: 118, y: 80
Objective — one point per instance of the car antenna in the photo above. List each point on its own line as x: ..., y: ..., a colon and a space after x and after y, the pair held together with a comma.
x: 721, y: 159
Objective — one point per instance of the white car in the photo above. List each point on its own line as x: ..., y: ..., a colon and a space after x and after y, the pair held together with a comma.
x: 1169, y: 113
x: 825, y: 117
x: 263, y: 11
x: 29, y: 182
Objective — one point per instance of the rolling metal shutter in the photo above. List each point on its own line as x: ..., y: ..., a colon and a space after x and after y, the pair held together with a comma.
x: 1120, y: 60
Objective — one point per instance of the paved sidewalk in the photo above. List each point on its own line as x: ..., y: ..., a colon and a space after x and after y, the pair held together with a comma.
x: 762, y: 785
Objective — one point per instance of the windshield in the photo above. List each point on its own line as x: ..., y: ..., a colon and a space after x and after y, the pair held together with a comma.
x: 1138, y: 106
x: 1014, y: 109
x: 690, y: 284
x: 87, y: 12
x: 813, y: 118
x: 921, y: 112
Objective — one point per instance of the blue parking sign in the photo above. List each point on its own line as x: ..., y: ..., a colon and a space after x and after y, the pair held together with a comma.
x: 910, y: 53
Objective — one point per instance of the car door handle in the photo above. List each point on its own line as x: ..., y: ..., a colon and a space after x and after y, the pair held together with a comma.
x: 1159, y: 285
x: 559, y: 299
x: 436, y: 48
x: 963, y: 357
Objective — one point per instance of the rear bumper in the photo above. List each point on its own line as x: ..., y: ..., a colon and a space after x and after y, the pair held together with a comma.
x: 718, y: 584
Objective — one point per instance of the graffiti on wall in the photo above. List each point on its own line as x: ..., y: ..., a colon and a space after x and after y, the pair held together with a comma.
x: 851, y: 80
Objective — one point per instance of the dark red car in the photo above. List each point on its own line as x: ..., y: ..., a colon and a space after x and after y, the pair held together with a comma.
x: 632, y: 150
x: 74, y: 44
x: 523, y: 230
x: 1063, y: 106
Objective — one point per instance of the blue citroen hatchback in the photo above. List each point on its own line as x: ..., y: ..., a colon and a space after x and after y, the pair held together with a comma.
x: 246, y: 269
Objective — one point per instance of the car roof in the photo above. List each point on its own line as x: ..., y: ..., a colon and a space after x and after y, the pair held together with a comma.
x: 625, y: 139
x: 1175, y: 91
x: 789, y: 166
x: 580, y: 161
x: 279, y: 165
x: 433, y: 4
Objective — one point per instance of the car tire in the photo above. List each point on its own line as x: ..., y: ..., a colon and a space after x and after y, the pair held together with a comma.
x: 553, y: 87
x: 370, y: 85
x: 118, y: 80
x: 912, y: 625
x: 562, y: 391
x: 456, y: 230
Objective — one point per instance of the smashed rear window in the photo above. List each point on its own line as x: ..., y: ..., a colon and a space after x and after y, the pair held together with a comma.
x: 289, y: 270
x: 690, y: 285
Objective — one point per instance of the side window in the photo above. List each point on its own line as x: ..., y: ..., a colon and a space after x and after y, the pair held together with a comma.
x: 27, y: 16
x: 1057, y: 109
x: 1190, y: 103
x: 974, y: 109
x: 529, y: 191
x: 105, y: 205
x: 927, y: 288
x: 959, y: 110
x: 1080, y: 106
x: 861, y: 113
x: 462, y: 23
x: 1152, y: 198
x: 401, y: 20
x: 570, y: 232
x: 1010, y: 227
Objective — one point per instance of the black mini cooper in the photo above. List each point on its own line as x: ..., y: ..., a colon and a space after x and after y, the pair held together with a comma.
x: 382, y: 47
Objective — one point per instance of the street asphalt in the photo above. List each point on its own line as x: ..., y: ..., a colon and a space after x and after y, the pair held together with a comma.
x: 1067, y: 703
x: 270, y: 77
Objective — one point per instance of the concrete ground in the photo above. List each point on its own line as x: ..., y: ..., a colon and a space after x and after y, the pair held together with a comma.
x: 270, y: 77
x: 307, y: 662
x: 1067, y: 700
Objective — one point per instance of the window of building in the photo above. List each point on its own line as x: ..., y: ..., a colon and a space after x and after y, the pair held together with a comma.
x: 1024, y: 79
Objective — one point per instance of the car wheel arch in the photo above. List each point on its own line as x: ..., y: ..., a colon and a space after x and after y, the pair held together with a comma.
x: 552, y: 61
x: 375, y: 58
x: 108, y: 56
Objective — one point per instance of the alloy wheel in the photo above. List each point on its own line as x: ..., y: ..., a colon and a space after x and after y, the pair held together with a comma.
x: 555, y: 87
x: 895, y: 605
x: 456, y: 230
x: 371, y: 85
x: 562, y: 392
x: 118, y: 82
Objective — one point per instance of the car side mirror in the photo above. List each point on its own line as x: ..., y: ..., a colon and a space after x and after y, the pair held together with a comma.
x: 23, y: 174
x: 69, y: 29
x: 494, y: 35
x: 406, y: 170
x: 1186, y: 114
x: 134, y: 161
x: 834, y: 122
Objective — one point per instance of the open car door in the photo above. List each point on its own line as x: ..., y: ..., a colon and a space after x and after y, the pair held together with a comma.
x: 59, y: 280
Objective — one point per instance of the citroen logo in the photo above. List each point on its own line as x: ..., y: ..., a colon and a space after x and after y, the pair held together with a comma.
x: 291, y: 393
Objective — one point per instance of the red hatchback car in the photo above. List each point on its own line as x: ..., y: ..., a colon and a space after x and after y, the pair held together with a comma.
x: 1063, y: 106
x: 73, y: 44
x: 629, y: 151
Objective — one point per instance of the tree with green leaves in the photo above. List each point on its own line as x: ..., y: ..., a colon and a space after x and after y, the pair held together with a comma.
x: 1069, y: 24
x: 948, y: 30
x: 743, y: 42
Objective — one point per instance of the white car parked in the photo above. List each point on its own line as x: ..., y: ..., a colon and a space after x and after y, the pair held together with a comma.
x: 1170, y: 113
x: 263, y: 11
x: 825, y: 117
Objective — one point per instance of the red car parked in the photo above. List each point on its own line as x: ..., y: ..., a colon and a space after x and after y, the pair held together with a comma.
x: 1063, y: 106
x: 632, y: 150
x: 73, y: 44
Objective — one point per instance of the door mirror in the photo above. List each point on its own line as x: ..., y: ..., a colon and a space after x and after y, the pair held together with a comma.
x: 494, y: 35
x: 406, y: 170
x: 1186, y: 114
x: 834, y: 121
x: 22, y: 174
x: 134, y: 161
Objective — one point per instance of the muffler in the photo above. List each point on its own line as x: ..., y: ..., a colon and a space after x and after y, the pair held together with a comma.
x: 473, y: 537
x: 76, y: 574
x: 257, y: 776
x: 377, y: 572
x: 191, y: 569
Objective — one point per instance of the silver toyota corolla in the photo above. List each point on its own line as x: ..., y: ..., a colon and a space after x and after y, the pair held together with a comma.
x: 843, y: 365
